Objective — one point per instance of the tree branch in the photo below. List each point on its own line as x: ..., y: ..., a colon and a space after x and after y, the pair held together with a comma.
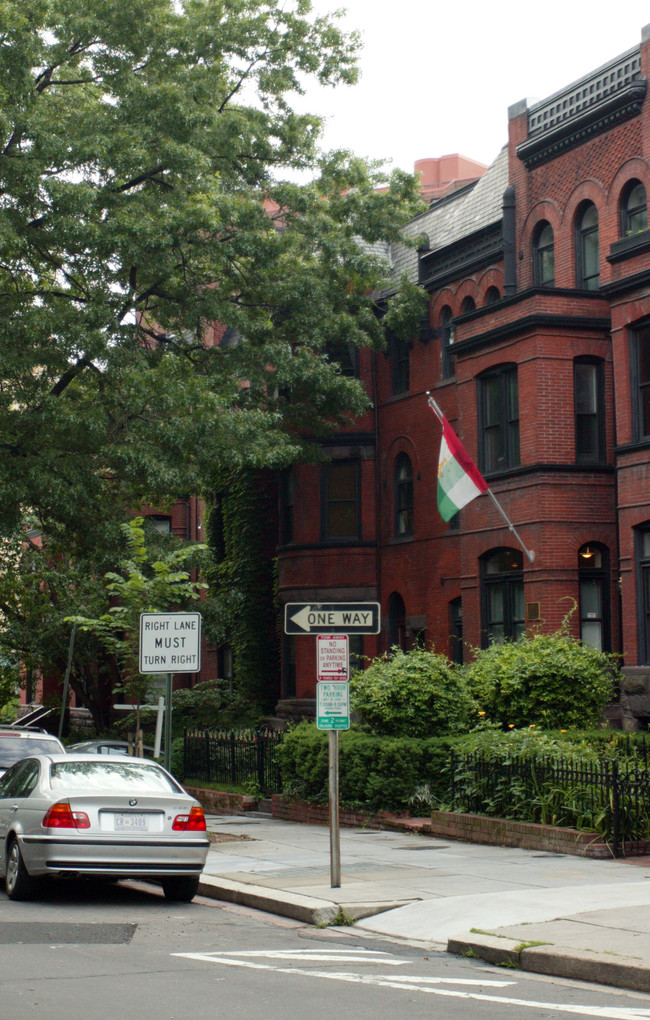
x: 71, y: 375
x: 148, y: 175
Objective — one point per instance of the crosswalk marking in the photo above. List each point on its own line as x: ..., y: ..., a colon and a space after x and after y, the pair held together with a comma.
x: 272, y: 960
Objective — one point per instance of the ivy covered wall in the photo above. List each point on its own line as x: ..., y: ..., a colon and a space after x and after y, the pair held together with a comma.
x: 241, y: 532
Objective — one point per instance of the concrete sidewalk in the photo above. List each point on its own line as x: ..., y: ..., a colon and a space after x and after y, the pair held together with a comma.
x: 550, y: 913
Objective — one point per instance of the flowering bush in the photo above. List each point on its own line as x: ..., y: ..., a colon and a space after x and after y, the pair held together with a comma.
x: 548, y: 680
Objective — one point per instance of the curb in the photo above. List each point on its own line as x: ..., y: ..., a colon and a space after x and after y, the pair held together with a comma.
x: 307, y: 909
x: 300, y: 908
x: 554, y: 961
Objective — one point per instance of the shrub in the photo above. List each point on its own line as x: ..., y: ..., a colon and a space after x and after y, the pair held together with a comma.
x: 211, y: 705
x: 532, y: 776
x: 177, y: 759
x: 411, y: 694
x: 550, y: 680
x: 375, y: 773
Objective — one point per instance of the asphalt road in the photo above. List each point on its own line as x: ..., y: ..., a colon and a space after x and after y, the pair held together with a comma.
x: 104, y: 951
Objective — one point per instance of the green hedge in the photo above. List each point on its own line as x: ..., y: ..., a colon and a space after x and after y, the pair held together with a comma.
x: 375, y: 773
x: 410, y: 774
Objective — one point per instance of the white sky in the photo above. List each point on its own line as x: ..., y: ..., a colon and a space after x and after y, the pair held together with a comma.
x: 438, y: 76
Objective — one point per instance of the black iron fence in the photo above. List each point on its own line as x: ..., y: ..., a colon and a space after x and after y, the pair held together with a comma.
x: 237, y: 757
x: 609, y: 798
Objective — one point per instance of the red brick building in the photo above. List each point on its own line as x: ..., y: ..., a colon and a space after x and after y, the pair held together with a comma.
x: 537, y: 348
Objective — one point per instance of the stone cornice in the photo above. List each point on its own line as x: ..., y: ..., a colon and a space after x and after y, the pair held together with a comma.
x: 530, y: 323
x: 544, y: 146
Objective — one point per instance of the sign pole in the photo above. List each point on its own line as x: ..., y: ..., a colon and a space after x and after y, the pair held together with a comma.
x: 66, y: 682
x: 335, y: 830
x: 168, y: 719
x: 323, y: 620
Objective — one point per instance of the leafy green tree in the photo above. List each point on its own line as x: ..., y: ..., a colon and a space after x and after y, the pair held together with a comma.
x: 547, y: 680
x: 212, y: 705
x: 144, y: 197
x: 411, y: 694
x: 144, y: 585
x: 39, y: 588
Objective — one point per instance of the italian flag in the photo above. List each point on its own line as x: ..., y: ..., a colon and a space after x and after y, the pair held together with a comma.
x: 459, y: 480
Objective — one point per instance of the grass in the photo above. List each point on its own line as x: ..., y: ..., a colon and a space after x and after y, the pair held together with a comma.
x: 339, y: 920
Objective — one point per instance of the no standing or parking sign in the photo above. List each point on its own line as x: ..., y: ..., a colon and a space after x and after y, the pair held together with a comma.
x: 333, y: 657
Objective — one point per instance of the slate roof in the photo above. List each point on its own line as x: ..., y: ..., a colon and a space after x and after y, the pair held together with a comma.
x: 460, y: 215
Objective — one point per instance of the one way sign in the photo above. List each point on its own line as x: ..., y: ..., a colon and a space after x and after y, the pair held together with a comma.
x: 331, y: 617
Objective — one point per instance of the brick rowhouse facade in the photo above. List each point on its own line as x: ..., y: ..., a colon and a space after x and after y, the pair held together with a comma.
x: 537, y: 349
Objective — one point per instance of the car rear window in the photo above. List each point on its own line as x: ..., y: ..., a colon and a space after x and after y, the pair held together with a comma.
x: 110, y: 777
x: 14, y: 748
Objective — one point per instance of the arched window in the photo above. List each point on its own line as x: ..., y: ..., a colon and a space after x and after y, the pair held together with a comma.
x: 403, y: 496
x: 396, y: 622
x: 492, y: 295
x: 594, y: 603
x: 468, y: 305
x: 634, y: 209
x: 587, y: 255
x: 447, y: 335
x: 502, y: 591
x: 544, y: 255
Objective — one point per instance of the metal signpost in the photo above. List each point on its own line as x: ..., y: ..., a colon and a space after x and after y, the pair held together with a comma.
x: 333, y: 714
x: 332, y: 691
x: 169, y: 643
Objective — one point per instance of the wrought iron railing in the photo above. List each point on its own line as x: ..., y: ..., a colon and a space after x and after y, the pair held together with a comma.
x: 610, y: 798
x: 236, y: 757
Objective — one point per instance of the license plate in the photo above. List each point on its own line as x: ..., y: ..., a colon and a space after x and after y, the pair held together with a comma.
x: 131, y: 823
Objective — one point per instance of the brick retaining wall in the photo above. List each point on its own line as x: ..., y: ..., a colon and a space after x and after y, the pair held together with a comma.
x: 445, y: 824
x: 448, y: 825
x: 218, y: 803
x: 527, y: 835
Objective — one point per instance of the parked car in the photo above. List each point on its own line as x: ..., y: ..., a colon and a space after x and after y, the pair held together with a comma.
x: 64, y: 815
x: 16, y: 744
x: 107, y: 746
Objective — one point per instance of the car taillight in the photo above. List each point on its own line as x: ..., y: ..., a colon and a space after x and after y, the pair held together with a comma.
x: 61, y: 816
x: 194, y: 822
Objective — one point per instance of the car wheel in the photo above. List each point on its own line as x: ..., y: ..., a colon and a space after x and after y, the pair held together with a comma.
x: 18, y: 882
x: 182, y: 889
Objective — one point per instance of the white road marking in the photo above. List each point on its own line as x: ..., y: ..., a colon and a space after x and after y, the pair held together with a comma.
x: 327, y: 956
x: 413, y: 983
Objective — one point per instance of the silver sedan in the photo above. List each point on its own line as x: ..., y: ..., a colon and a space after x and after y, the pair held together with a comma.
x: 110, y: 816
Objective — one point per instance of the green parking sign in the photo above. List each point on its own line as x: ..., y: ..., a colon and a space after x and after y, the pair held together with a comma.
x: 333, y: 705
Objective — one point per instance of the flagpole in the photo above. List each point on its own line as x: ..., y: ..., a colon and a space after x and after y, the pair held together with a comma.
x: 434, y: 407
x: 529, y: 552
